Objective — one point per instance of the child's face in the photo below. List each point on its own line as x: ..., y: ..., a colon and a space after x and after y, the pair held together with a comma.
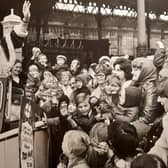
x: 72, y: 83
x: 34, y: 71
x: 84, y: 71
x: 110, y: 88
x: 79, y: 84
x: 120, y: 73
x: 47, y: 74
x: 43, y: 60
x: 60, y: 61
x: 74, y: 65
x: 100, y: 78
x: 84, y: 107
x: 64, y: 108
x: 65, y: 76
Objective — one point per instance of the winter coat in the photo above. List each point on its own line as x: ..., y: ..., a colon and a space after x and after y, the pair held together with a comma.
x: 147, y: 83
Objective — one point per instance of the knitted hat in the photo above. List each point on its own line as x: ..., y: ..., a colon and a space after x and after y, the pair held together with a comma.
x: 130, y: 96
x: 75, y: 142
x: 104, y: 58
x: 62, y: 56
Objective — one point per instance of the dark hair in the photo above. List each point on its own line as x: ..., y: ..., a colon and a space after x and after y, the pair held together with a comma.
x: 124, y: 138
x: 147, y: 161
x: 63, y: 98
x: 77, y: 59
x: 84, y: 90
x: 16, y: 61
x: 125, y: 65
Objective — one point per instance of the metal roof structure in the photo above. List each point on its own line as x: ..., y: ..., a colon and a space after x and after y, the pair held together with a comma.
x: 44, y: 7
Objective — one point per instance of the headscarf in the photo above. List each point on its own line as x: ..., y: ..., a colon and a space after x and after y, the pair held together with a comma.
x: 148, y: 70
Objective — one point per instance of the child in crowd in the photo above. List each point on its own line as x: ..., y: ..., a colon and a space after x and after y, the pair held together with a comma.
x: 146, y: 161
x: 42, y: 62
x: 60, y: 63
x: 33, y: 81
x: 75, y: 146
x: 75, y: 67
x: 85, y: 115
x: 123, y: 141
x: 98, y: 150
x: 48, y: 84
x: 65, y: 76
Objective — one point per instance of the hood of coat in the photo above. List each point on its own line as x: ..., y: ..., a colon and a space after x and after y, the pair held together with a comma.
x: 148, y: 70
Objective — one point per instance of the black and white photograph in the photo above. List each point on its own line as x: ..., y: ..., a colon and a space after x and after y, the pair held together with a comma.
x: 83, y: 83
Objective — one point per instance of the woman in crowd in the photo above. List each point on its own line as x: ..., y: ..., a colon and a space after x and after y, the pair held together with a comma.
x: 144, y: 77
x: 16, y: 72
x: 123, y: 69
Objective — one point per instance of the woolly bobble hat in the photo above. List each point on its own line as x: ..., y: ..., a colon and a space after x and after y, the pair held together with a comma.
x: 159, y: 58
x: 104, y: 58
x: 130, y: 96
x: 75, y: 142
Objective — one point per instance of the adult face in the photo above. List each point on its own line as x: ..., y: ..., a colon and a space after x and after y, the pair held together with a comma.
x: 120, y: 73
x: 17, y: 69
x: 136, y: 73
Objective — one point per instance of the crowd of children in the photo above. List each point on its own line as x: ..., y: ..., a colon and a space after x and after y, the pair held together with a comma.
x: 109, y: 114
x: 101, y: 115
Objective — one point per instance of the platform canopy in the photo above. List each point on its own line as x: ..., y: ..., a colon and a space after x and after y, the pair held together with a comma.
x: 45, y: 7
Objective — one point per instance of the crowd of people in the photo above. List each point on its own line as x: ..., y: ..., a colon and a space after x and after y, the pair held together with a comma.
x: 109, y: 114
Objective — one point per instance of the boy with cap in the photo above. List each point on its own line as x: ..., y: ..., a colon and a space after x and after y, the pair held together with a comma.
x: 60, y: 63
